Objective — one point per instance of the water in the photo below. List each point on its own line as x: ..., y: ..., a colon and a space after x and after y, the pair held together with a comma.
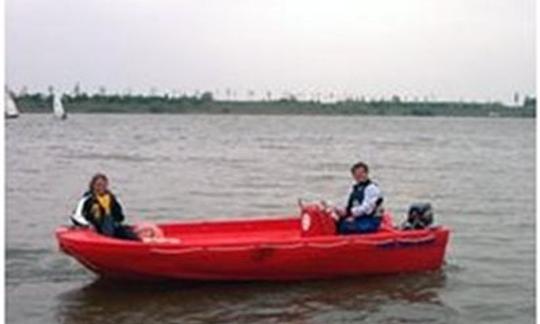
x: 478, y: 173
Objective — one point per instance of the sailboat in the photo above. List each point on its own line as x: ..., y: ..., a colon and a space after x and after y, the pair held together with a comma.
x: 11, y: 110
x: 58, y: 107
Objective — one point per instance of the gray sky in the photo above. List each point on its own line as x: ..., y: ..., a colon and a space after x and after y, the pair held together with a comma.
x: 449, y: 49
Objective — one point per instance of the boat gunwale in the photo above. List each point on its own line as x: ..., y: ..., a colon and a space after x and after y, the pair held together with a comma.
x: 90, y: 237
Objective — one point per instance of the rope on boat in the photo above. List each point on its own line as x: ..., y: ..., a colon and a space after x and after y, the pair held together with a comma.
x: 407, y: 241
x: 385, y: 243
x: 327, y: 245
x: 371, y: 242
x: 420, y: 240
x: 230, y: 248
x: 177, y: 251
x: 282, y: 246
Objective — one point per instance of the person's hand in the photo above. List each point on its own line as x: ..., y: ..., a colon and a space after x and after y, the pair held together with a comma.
x: 341, y: 212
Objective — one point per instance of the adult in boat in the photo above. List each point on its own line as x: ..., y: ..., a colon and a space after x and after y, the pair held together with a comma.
x: 362, y: 214
x: 99, y: 208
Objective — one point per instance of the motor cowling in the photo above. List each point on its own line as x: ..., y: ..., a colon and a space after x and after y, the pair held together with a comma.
x: 315, y: 221
x: 419, y: 216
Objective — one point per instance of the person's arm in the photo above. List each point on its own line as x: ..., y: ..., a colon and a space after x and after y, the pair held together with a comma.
x: 117, y: 212
x: 341, y: 210
x: 78, y: 218
x: 371, y: 194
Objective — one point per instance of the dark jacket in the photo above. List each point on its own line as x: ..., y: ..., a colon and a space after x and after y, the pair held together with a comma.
x: 116, y: 215
x: 357, y: 195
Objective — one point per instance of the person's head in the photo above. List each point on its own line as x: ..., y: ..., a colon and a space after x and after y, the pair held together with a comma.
x: 99, y: 184
x: 360, y: 171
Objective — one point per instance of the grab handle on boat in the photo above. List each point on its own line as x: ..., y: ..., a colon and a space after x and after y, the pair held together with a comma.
x: 323, y: 204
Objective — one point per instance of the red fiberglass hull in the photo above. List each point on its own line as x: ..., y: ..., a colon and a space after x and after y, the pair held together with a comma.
x: 260, y: 249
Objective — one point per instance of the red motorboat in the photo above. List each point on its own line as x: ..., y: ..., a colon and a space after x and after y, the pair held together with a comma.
x: 289, y: 248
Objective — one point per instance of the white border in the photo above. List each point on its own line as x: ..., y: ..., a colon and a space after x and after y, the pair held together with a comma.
x: 3, y: 165
x: 537, y: 70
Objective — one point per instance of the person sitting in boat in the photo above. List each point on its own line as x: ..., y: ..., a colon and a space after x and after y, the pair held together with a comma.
x: 99, y: 208
x: 362, y: 213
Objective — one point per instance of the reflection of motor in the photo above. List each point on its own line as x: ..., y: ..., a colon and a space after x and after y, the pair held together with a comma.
x: 420, y: 216
x: 316, y: 221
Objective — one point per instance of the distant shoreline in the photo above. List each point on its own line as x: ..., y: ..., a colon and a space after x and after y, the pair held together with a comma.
x: 205, y: 104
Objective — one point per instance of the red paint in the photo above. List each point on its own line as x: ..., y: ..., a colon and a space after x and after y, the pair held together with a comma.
x: 258, y: 249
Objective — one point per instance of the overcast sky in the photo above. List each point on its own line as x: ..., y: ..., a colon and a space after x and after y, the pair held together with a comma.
x: 447, y: 49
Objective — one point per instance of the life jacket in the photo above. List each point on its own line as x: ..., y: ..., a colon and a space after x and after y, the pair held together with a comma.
x: 101, y: 205
x: 90, y: 206
x: 357, y: 195
x: 94, y: 213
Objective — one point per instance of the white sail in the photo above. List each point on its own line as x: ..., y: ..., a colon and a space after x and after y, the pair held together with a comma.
x: 11, y: 109
x: 58, y: 107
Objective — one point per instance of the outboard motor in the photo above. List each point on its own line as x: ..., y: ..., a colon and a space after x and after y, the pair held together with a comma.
x: 420, y: 216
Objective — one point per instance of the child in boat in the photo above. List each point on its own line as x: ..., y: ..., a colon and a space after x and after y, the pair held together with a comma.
x: 100, y: 208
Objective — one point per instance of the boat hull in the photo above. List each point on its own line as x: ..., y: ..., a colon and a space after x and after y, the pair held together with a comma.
x: 263, y: 249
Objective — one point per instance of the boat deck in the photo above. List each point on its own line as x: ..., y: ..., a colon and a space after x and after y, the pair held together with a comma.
x: 240, y: 231
x: 238, y: 237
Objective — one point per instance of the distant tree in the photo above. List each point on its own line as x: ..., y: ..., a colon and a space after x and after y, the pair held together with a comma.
x: 77, y: 90
x: 207, y: 96
x: 288, y: 97
x: 396, y: 99
x: 250, y: 94
x: 529, y: 102
x: 50, y: 89
x: 102, y: 90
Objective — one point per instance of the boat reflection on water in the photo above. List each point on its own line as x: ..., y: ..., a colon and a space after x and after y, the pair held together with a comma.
x: 393, y: 298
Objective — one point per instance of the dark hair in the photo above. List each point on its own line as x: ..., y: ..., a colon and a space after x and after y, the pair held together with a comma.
x: 359, y: 165
x: 95, y: 178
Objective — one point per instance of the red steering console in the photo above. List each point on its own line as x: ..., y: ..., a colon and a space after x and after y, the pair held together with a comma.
x: 316, y: 221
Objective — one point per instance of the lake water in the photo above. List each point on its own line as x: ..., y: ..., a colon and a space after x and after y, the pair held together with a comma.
x: 478, y: 173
